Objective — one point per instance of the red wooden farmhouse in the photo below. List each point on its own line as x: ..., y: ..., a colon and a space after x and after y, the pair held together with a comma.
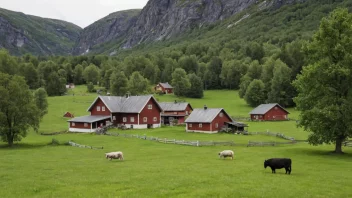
x: 272, y: 111
x: 164, y: 87
x: 131, y: 111
x: 211, y: 120
x: 175, y: 111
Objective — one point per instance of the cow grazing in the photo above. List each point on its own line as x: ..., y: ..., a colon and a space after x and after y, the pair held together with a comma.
x: 278, y: 163
x: 226, y: 153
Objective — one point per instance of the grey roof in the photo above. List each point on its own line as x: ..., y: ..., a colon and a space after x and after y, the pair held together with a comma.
x: 173, y: 106
x: 204, y: 115
x: 238, y: 124
x: 88, y: 119
x: 263, y: 108
x: 131, y: 104
x: 166, y: 85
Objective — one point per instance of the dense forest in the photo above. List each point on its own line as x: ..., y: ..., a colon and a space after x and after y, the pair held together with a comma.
x: 260, y: 57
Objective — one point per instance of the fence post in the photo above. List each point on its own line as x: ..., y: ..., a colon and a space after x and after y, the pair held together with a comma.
x: 165, y: 140
x: 174, y: 141
x: 197, y: 142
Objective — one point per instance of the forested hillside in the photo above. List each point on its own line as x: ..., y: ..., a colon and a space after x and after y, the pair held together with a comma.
x: 20, y: 34
x: 260, y: 52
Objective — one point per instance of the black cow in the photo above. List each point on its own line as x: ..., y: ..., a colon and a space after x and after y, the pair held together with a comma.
x: 278, y: 163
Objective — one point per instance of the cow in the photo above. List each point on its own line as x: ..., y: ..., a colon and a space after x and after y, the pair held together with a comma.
x: 278, y: 163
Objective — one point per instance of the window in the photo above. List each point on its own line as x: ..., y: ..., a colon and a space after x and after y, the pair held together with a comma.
x: 124, y: 119
x: 145, y: 119
x: 101, y: 124
x: 175, y: 113
x: 73, y: 124
x: 113, y: 117
x: 150, y: 106
x: 186, y: 112
x: 98, y: 108
x: 200, y: 125
x: 190, y: 125
x: 216, y: 125
x: 275, y: 108
x: 103, y: 108
x: 155, y: 119
x: 85, y: 125
x: 221, y: 114
x: 132, y: 119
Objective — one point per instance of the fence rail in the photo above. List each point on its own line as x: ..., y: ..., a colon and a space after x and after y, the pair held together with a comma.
x: 202, y: 143
x: 83, y: 146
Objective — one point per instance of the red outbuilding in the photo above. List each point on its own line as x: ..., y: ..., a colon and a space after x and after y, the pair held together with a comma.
x: 272, y: 111
x: 207, y: 120
x: 68, y: 115
x: 131, y: 111
x: 175, y: 111
x: 164, y: 88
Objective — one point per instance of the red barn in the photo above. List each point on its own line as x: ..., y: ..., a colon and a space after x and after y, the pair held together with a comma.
x: 164, y: 87
x: 175, y: 111
x: 271, y: 111
x: 131, y: 111
x: 207, y: 120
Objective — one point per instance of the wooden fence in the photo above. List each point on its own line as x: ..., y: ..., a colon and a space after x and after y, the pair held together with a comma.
x: 83, y: 146
x: 201, y: 143
x: 348, y: 143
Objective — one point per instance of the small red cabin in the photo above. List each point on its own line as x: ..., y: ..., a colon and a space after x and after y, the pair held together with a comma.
x: 164, y: 88
x: 207, y: 120
x: 272, y: 111
x: 175, y: 111
x: 68, y: 115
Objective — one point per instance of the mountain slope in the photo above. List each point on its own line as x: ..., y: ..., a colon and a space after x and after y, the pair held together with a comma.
x: 20, y: 33
x: 108, y: 29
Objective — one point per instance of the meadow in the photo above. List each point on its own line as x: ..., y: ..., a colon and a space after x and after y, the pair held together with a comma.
x: 33, y: 168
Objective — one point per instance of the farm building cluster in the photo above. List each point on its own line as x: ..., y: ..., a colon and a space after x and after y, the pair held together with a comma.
x: 141, y: 112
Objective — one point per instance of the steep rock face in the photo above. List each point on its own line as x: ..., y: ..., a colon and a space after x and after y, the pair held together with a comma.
x: 20, y: 33
x: 163, y: 19
x: 166, y: 18
x: 112, y: 27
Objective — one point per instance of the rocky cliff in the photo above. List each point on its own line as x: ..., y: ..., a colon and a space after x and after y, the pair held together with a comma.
x: 112, y: 27
x: 20, y: 33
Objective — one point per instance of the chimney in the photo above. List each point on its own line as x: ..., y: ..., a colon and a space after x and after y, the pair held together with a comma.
x: 205, y: 107
x: 127, y: 95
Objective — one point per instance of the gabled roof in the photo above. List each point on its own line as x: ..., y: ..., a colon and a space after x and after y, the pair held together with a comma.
x: 166, y: 85
x: 174, y: 106
x: 88, y: 119
x: 131, y: 104
x: 264, y: 108
x: 202, y: 115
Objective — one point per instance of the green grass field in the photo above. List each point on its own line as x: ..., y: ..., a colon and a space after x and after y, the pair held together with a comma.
x: 151, y: 169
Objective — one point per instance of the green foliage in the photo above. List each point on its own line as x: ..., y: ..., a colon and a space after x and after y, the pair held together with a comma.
x: 324, y: 91
x: 90, y: 87
x: 40, y: 97
x: 31, y: 75
x: 91, y: 74
x: 196, y: 89
x: 138, y: 85
x: 8, y: 64
x: 78, y: 75
x: 118, y: 83
x: 180, y: 82
x: 255, y: 93
x: 55, y: 85
x: 18, y: 109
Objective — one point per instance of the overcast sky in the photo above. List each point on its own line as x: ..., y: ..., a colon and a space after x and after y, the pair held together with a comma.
x: 79, y: 12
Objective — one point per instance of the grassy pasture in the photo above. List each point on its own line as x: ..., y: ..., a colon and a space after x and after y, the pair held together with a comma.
x: 35, y: 169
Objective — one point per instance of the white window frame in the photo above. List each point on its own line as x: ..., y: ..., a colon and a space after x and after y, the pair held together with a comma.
x: 175, y: 113
x: 132, y: 119
x: 103, y: 108
x: 150, y: 106
x: 216, y: 125
x: 124, y: 119
x: 186, y: 112
x: 85, y: 124
x: 145, y: 119
x: 190, y: 125
x: 155, y: 119
x: 98, y: 108
x: 113, y: 117
x: 73, y: 124
x: 200, y: 125
x: 221, y: 114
